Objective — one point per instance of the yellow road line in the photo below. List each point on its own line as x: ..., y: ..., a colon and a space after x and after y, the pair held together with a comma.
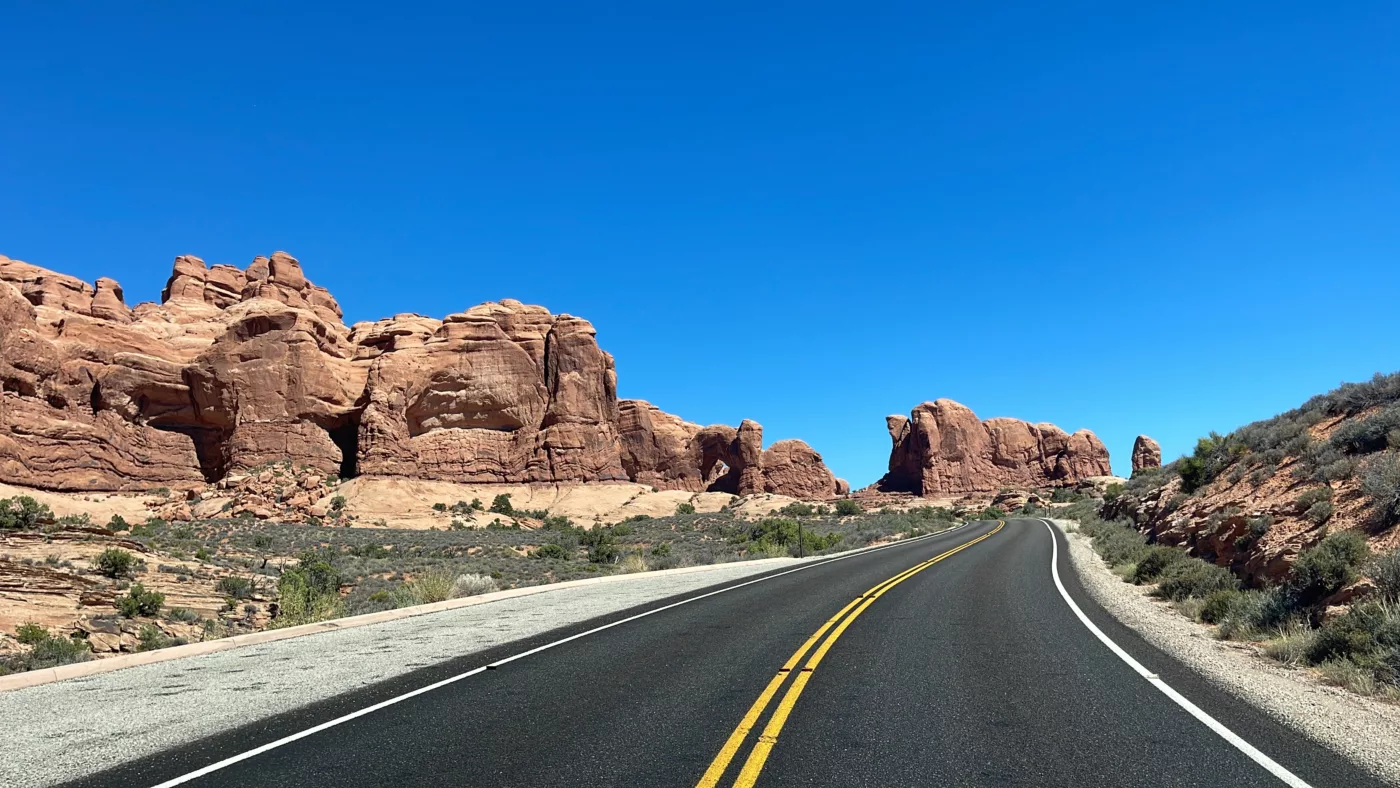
x: 731, y: 746
x: 754, y: 764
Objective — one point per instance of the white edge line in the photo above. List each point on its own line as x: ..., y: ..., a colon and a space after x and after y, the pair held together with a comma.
x: 272, y: 745
x: 1272, y: 766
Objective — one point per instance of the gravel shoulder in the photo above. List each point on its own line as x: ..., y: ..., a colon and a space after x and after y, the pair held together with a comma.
x: 69, y: 729
x: 1362, y: 729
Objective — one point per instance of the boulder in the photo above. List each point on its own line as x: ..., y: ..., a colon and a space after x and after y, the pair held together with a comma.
x: 1147, y: 453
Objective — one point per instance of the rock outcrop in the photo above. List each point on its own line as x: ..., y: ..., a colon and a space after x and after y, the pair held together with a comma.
x: 942, y: 448
x: 1147, y: 453
x: 237, y: 368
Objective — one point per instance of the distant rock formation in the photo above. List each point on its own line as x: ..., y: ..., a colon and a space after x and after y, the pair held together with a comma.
x: 1146, y: 454
x: 943, y: 449
x: 236, y: 368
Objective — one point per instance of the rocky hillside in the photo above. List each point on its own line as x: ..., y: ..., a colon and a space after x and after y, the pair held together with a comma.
x: 236, y: 368
x: 943, y: 449
x: 1254, y: 499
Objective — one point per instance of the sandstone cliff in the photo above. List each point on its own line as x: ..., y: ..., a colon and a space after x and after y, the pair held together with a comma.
x: 236, y: 368
x: 942, y: 448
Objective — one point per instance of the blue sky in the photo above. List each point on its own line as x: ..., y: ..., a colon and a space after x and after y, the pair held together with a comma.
x: 1164, y: 218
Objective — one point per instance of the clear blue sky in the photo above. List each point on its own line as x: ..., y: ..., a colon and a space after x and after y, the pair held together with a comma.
x: 1159, y: 217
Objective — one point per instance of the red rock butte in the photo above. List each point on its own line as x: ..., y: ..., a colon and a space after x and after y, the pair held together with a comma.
x: 942, y: 448
x: 239, y: 367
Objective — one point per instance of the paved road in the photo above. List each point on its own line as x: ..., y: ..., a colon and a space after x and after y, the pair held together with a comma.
x: 971, y: 670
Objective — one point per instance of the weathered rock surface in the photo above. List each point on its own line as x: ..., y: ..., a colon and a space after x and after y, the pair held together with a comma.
x: 1147, y: 453
x: 942, y: 448
x: 237, y: 368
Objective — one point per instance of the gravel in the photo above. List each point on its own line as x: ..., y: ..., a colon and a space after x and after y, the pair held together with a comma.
x: 68, y: 729
x: 1362, y: 729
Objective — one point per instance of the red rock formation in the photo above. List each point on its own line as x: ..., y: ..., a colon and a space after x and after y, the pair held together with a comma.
x: 1146, y: 454
x: 943, y: 449
x: 237, y: 368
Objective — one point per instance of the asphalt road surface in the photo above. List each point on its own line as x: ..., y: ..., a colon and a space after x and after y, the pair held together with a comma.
x: 953, y: 660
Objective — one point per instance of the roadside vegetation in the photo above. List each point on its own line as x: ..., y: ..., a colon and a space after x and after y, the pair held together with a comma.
x: 1358, y: 649
x: 273, y: 575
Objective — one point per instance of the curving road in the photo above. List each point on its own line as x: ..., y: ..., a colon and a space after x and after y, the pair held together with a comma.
x: 952, y: 660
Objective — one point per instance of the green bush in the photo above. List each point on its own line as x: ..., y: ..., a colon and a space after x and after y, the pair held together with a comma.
x: 796, y: 509
x: 1111, y: 493
x: 661, y: 550
x: 30, y: 633
x: 501, y: 504
x: 429, y: 587
x: 440, y: 507
x: 1218, y: 605
x: 1156, y: 561
x: 338, y: 503
x: 552, y: 551
x: 234, y: 587
x: 307, y: 592
x: 1364, y: 631
x: 23, y: 513
x: 1368, y: 435
x: 685, y: 508
x: 1194, y: 579
x: 1320, y: 512
x: 847, y: 507
x: 1385, y: 571
x: 1253, y: 612
x: 140, y: 602
x: 1309, y: 497
x: 603, y: 553
x: 1118, y: 544
x: 151, y: 638
x: 1323, y: 570
x: 115, y: 562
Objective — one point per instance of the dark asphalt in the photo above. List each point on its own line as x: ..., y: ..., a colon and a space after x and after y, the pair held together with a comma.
x: 973, y: 672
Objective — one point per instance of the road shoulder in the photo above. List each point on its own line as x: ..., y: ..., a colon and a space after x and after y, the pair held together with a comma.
x: 1363, y: 730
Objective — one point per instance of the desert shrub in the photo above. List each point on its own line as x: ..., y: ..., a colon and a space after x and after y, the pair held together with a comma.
x: 603, y: 553
x: 440, y: 507
x: 30, y: 633
x: 633, y: 562
x: 501, y: 504
x: 1194, y: 579
x: 1320, y: 512
x: 338, y: 503
x: 23, y: 513
x: 1380, y: 482
x: 1117, y: 543
x: 847, y: 507
x: 552, y: 551
x: 1368, y: 435
x: 1252, y: 612
x: 1292, y: 645
x: 471, y: 585
x: 307, y: 592
x: 369, y: 550
x: 685, y: 508
x: 234, y: 587
x: 1323, y: 570
x: 151, y: 638
x: 1065, y: 495
x: 1218, y: 605
x: 1364, y: 631
x: 115, y: 562
x: 796, y: 509
x: 1156, y: 561
x: 182, y: 614
x: 991, y: 513
x: 1309, y: 497
x: 1111, y: 493
x: 429, y: 587
x: 1385, y: 571
x: 118, y: 523
x: 46, y: 652
x: 662, y: 550
x: 140, y: 602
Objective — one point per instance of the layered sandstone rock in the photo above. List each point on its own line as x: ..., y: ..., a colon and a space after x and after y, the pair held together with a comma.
x: 942, y: 448
x: 237, y: 368
x: 1147, y: 453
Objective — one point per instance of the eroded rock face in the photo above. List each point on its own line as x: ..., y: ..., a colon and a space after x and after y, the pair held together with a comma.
x: 942, y: 448
x: 237, y: 368
x: 1146, y: 454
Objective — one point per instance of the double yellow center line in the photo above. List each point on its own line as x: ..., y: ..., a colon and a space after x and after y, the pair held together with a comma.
x: 832, y: 629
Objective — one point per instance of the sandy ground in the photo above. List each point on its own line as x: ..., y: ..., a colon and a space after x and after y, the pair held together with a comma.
x: 1364, y: 730
x: 408, y: 503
